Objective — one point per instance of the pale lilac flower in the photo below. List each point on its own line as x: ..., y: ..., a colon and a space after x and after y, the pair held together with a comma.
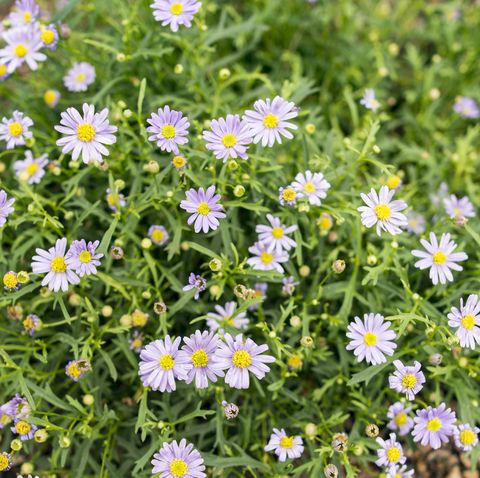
x: 204, y: 209
x: 23, y: 45
x: 23, y: 429
x: 51, y: 98
x: 399, y: 418
x: 268, y: 121
x: 240, y: 357
x: 433, y: 426
x: 83, y: 258
x: 226, y: 316
x: 53, y: 263
x: 25, y: 12
x: 458, y: 207
x: 407, y: 379
x: 265, y: 258
x: 312, y: 186
x: 467, y: 321
x: 369, y: 100
x: 371, y: 339
x: 289, y: 285
x: 115, y: 200
x: 260, y: 289
x: 76, y: 369
x: 178, y: 460
x: 466, y: 436
x: 31, y: 324
x: 285, y: 446
x: 382, y: 211
x: 31, y: 169
x: 159, y: 367
x: 466, y: 107
x: 4, y: 74
x: 437, y: 197
x: 175, y: 13
x: 400, y: 472
x: 415, y: 222
x: 440, y: 258
x: 276, y: 236
x: 5, y: 418
x: 158, y: 234
x: 390, y: 452
x: 79, y: 77
x: 14, y: 130
x: 18, y: 407
x: 135, y: 342
x: 228, y: 138
x: 86, y: 135
x: 169, y: 128
x: 198, y: 355
x: 5, y: 207
x: 287, y: 195
x: 196, y: 282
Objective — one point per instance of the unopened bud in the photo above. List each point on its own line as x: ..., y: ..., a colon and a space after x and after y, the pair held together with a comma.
x: 338, y: 266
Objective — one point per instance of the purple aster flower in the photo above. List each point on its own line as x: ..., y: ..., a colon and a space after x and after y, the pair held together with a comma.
x: 437, y: 197
x: 467, y: 321
x: 79, y: 77
x: 275, y: 236
x: 466, y: 107
x: 24, y: 13
x: 4, y: 74
x: 440, y: 258
x: 198, y: 355
x: 466, y: 436
x: 5, y: 207
x: 49, y: 36
x: 31, y: 169
x: 369, y: 100
x: 312, y: 186
x: 169, y: 129
x: 86, y: 135
x: 135, y: 342
x: 24, y: 429
x: 23, y: 45
x: 433, y: 426
x: 371, y: 339
x: 458, y: 207
x: 226, y: 316
x: 31, y: 324
x: 228, y: 138
x: 76, y: 369
x: 115, y: 200
x: 5, y: 461
x: 240, y: 357
x: 53, y: 262
x: 268, y: 121
x: 415, y: 222
x: 161, y: 364
x: 178, y: 460
x: 390, y: 452
x: 399, y: 418
x: 51, y: 98
x: 158, y: 235
x: 285, y: 446
x: 196, y: 282
x: 289, y: 285
x: 266, y: 259
x: 82, y: 258
x: 204, y: 209
x: 14, y: 130
x: 407, y: 379
x: 18, y: 407
x: 400, y: 472
x: 175, y: 12
x: 260, y: 289
x: 287, y: 196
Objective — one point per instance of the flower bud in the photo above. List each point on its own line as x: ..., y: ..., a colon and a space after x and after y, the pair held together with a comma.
x: 159, y: 308
x: 152, y: 167
x: 64, y: 441
x: 41, y: 435
x: 310, y: 128
x: 215, y: 265
x: 224, y: 74
x: 230, y: 410
x: 178, y: 69
x: 146, y: 243
x: 330, y: 471
x: 232, y: 165
x: 239, y: 191
x: 107, y: 311
x: 306, y: 341
x: 311, y: 430
x: 117, y: 252
x: 121, y: 57
x: 435, y: 359
x: 26, y: 468
x: 16, y: 445
x: 88, y: 399
x: 295, y: 321
x: 304, y: 271
x: 340, y: 442
x: 338, y: 266
x: 372, y: 430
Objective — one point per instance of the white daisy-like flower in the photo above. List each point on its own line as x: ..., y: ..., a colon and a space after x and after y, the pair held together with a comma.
x: 269, y: 120
x: 382, y: 211
x: 466, y: 320
x: 285, y: 446
x: 369, y: 101
x: 226, y: 315
x: 266, y: 259
x: 415, y: 222
x: 25, y: 12
x: 175, y: 12
x: 458, y: 207
x: 276, y: 235
x: 79, y: 77
x: 31, y: 169
x: 14, y: 131
x: 6, y: 208
x: 466, y: 436
x: 440, y: 258
x: 312, y: 186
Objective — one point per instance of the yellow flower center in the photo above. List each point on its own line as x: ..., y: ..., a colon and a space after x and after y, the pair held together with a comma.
x: 325, y: 223
x: 439, y: 258
x: 49, y: 97
x: 85, y: 257
x: 4, y: 462
x: 289, y: 194
x: 266, y: 257
x: 229, y: 140
x: 383, y: 212
x: 178, y: 467
x: 179, y: 162
x: 15, y: 129
x: 203, y: 208
x: 74, y: 371
x: 468, y: 322
x: 80, y: 78
x: 434, y: 425
x: 467, y: 437
x: 176, y: 8
x: 3, y: 70
x: 370, y: 339
x: 168, y: 131
x: 401, y: 419
x: 10, y: 280
x: 166, y: 362
x: 309, y: 187
x: 295, y: 361
x: 409, y: 380
x: 32, y: 168
x: 393, y: 454
x: 199, y: 358
x: 139, y: 318
x: 22, y: 427
x: 58, y: 264
x: 241, y: 359
x: 48, y: 37
x: 286, y: 442
x: 158, y: 235
x: 277, y: 232
x: 393, y: 182
x: 21, y: 50
x: 136, y: 343
x: 28, y: 323
x: 85, y: 132
x: 27, y: 16
x: 270, y: 121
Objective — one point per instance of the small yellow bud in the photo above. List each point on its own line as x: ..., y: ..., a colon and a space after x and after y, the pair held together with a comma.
x: 126, y: 320
x: 295, y: 321
x: 121, y: 57
x: 16, y: 445
x: 178, y: 69
x: 215, y: 265
x: 310, y: 128
x: 88, y: 399
x: 304, y: 271
x: 107, y: 311
x: 224, y: 74
x: 146, y: 243
x: 26, y: 469
x: 119, y: 184
x: 64, y: 441
x: 239, y: 191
